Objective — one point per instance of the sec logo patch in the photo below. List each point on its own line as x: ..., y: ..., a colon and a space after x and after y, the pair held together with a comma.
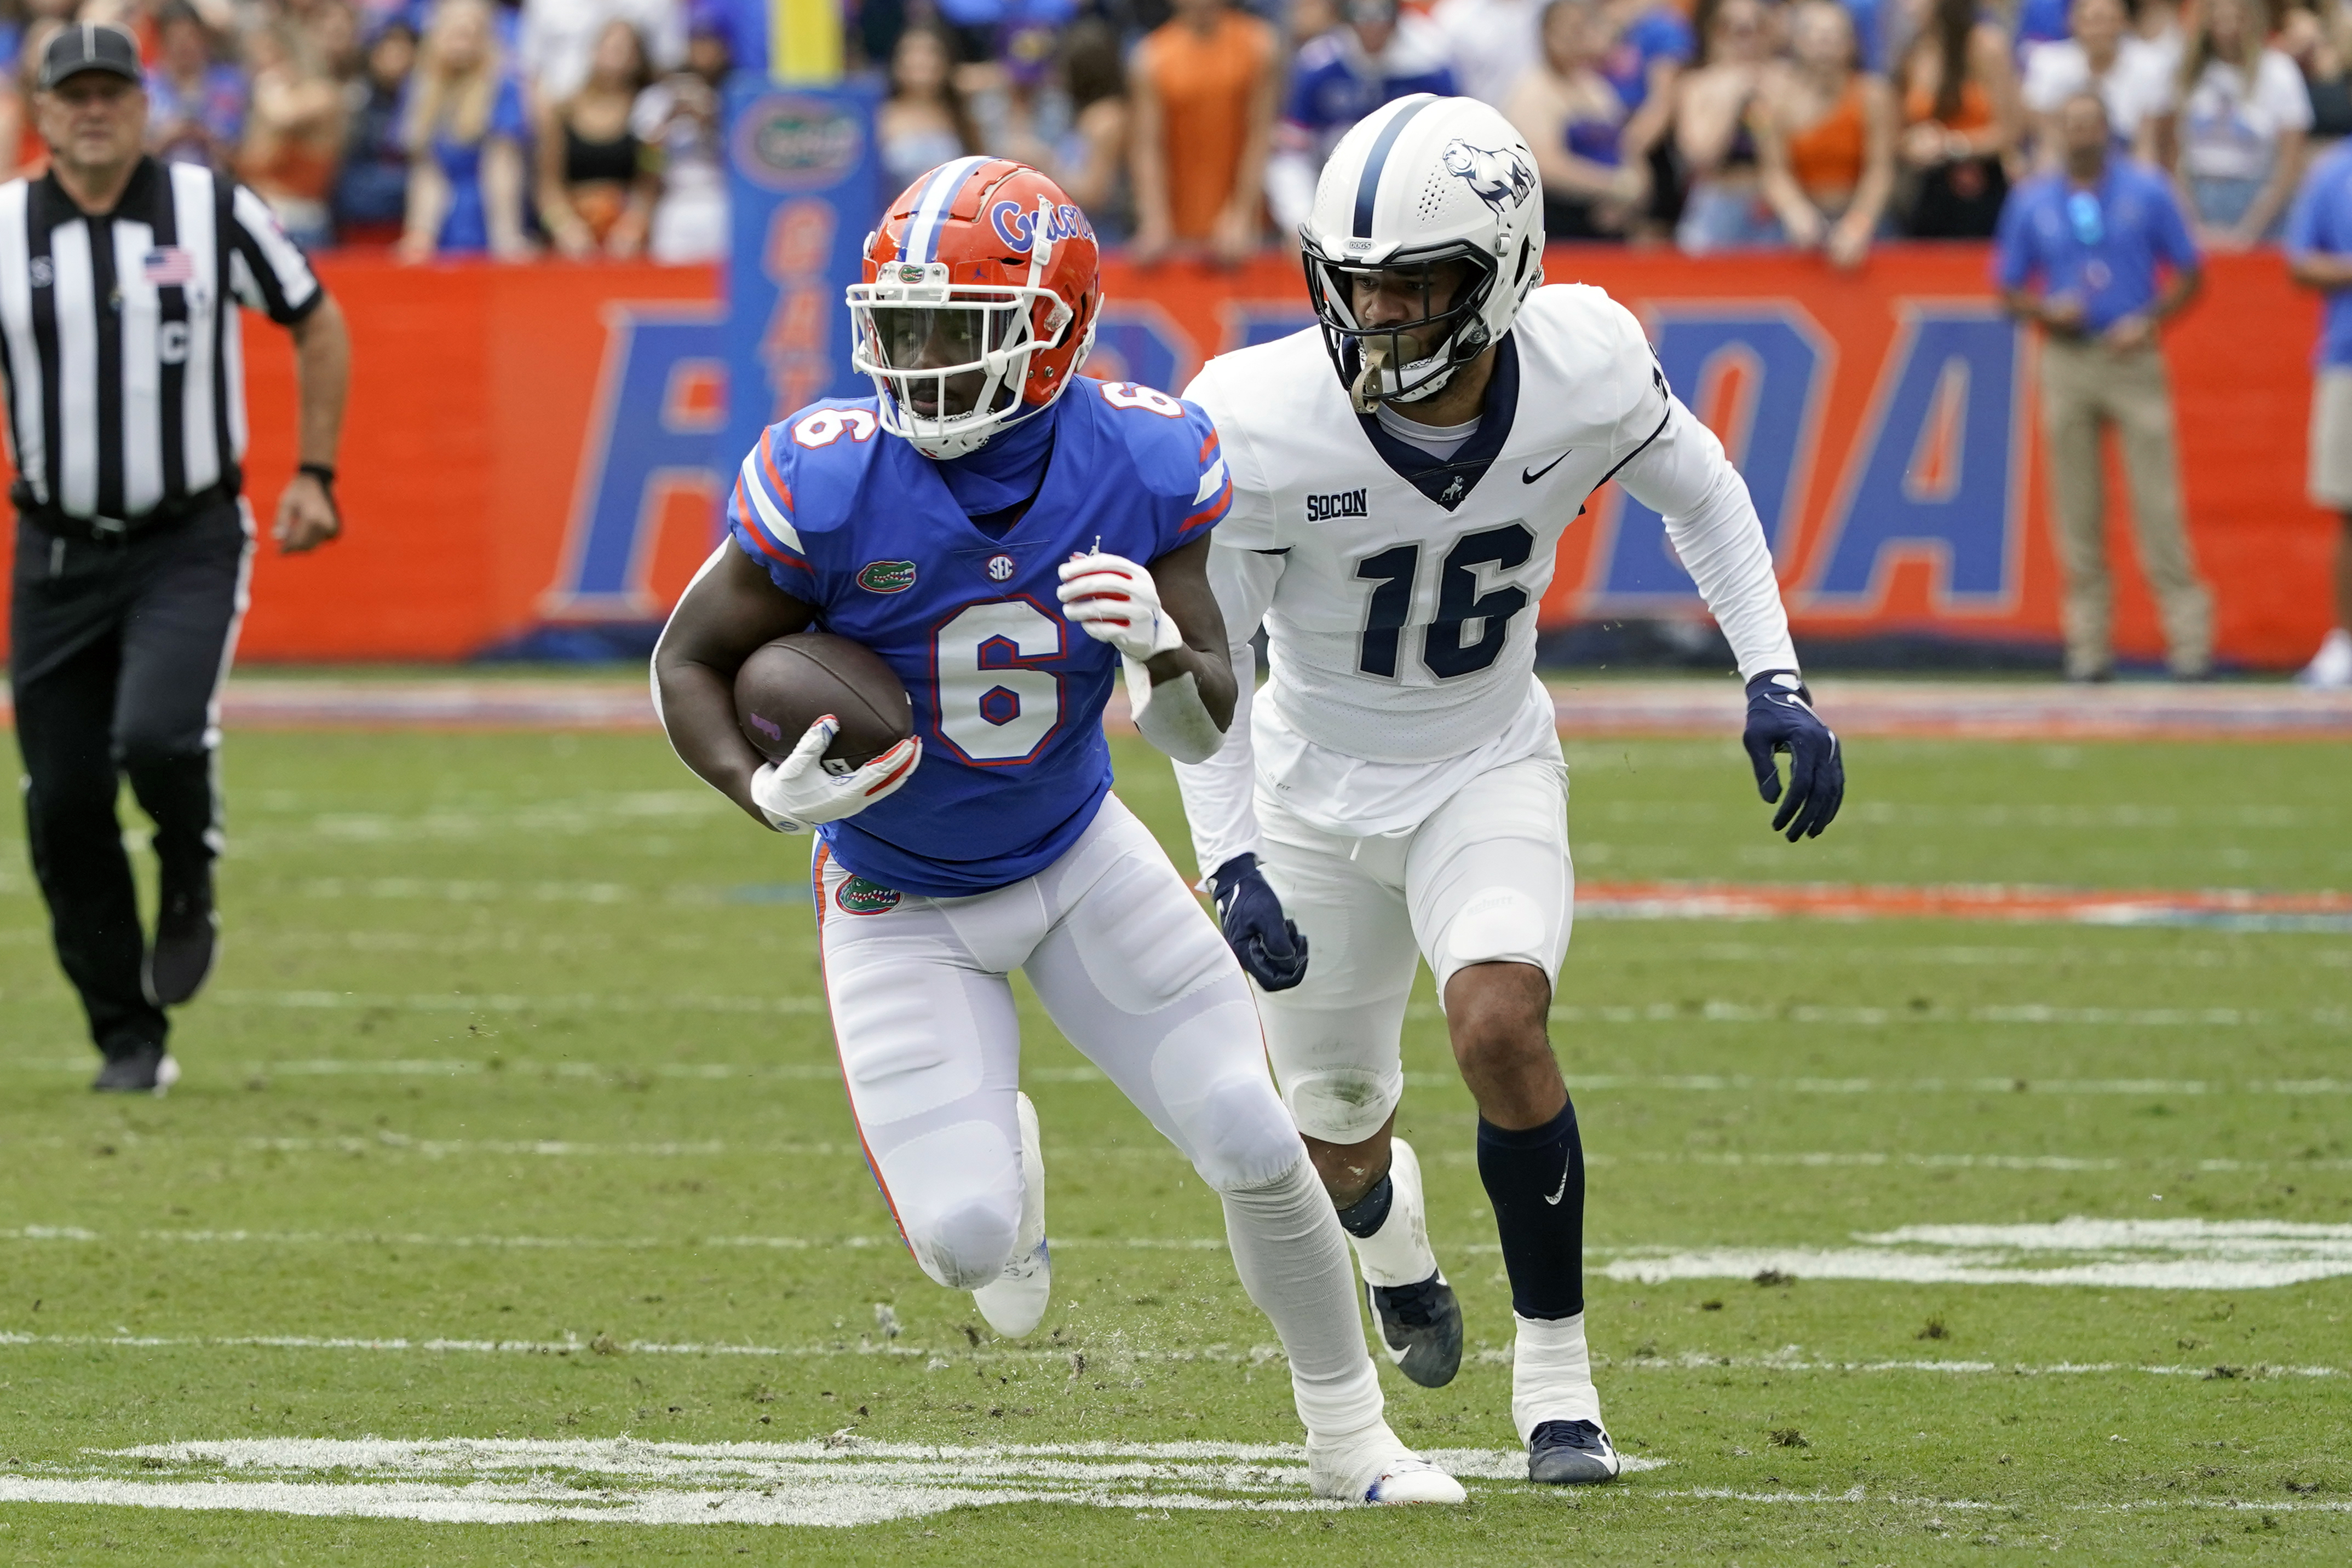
x: 886, y: 575
x: 1000, y: 567
x: 859, y: 896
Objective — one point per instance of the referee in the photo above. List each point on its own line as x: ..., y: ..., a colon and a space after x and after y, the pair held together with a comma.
x: 119, y: 283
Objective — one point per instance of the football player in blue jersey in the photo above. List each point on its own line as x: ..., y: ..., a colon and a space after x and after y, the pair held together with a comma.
x: 1003, y: 539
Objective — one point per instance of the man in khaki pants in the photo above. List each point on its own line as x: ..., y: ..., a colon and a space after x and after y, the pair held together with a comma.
x: 2096, y: 231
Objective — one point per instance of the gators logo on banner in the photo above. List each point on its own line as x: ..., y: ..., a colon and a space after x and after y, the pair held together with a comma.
x: 859, y: 896
x: 886, y: 575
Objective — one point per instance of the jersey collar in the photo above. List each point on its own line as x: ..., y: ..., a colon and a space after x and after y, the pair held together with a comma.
x: 1449, y: 483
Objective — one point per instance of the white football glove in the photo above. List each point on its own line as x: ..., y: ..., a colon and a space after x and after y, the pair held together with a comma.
x: 797, y: 793
x: 1115, y: 601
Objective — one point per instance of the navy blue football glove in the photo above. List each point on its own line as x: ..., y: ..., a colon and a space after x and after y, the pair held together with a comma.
x: 1780, y: 718
x: 1268, y: 946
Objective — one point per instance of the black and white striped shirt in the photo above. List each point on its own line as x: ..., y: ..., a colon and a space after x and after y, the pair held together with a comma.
x: 125, y: 378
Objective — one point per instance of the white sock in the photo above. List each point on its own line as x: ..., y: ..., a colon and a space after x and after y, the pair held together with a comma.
x: 1398, y: 1253
x: 1287, y: 1249
x: 1551, y: 1375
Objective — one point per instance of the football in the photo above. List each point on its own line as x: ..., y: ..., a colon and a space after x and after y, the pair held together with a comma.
x: 793, y: 681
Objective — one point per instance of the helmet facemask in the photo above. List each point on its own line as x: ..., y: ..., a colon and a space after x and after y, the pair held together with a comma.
x: 949, y: 362
x: 1400, y: 361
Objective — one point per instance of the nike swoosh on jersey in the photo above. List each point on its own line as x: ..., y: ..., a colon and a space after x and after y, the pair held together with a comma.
x: 1528, y: 478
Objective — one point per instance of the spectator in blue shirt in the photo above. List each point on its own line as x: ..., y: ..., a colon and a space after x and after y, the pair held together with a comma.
x: 2098, y: 233
x: 2319, y: 256
x: 198, y: 103
x: 1655, y: 44
x: 1574, y: 122
x: 465, y: 132
x: 1374, y: 56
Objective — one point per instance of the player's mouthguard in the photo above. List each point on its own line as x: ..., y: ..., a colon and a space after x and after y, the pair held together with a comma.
x: 1376, y: 364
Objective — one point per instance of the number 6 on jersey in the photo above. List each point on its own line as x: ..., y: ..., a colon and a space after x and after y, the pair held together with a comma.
x: 993, y: 708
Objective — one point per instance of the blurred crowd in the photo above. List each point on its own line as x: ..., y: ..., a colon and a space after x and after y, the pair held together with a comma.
x: 591, y: 127
x: 1201, y: 125
x: 438, y: 127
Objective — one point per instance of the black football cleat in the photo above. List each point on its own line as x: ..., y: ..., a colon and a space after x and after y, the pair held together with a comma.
x: 187, y: 937
x: 142, y: 1069
x: 1571, y: 1453
x: 1422, y: 1327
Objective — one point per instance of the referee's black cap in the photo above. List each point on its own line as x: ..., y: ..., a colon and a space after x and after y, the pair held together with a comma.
x: 81, y: 46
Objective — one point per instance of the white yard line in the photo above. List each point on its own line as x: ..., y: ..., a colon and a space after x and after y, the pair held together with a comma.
x: 1886, y: 1264
x: 1099, y: 1353
x: 385, y: 1142
x: 1793, y: 1359
x: 1592, y: 1082
x: 2142, y: 1254
x: 2031, y: 1015
x: 2040, y: 1015
x: 455, y: 1002
x: 205, y: 1238
x: 843, y: 1480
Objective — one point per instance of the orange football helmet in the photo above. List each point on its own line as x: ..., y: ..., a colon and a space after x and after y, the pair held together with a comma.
x: 982, y: 266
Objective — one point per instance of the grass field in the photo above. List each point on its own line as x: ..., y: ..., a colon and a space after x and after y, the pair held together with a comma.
x: 511, y: 1115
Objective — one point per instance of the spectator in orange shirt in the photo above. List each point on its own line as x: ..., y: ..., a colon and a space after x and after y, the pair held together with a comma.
x: 1204, y: 88
x: 1825, y: 145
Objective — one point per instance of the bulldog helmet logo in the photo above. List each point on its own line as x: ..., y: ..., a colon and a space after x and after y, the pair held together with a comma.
x: 1495, y: 175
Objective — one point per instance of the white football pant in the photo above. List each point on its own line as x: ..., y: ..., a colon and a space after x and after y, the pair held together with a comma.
x: 1486, y: 878
x: 1134, y: 973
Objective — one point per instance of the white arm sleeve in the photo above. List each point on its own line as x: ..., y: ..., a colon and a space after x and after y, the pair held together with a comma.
x: 1682, y: 475
x: 1220, y: 794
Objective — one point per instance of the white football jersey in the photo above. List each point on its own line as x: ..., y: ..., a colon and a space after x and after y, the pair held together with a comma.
x: 1399, y: 592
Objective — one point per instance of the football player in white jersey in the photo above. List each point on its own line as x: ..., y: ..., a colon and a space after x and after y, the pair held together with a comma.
x: 1401, y: 477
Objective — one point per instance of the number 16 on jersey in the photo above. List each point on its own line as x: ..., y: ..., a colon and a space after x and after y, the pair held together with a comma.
x: 1471, y: 624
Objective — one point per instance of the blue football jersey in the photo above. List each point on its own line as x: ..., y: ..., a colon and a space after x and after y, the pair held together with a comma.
x: 1008, y: 696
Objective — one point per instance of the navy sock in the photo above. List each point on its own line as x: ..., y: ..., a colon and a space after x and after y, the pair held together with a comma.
x: 1364, y: 1218
x: 1535, y: 1179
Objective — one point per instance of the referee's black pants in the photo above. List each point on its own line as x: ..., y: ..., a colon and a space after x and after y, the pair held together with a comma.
x: 117, y: 651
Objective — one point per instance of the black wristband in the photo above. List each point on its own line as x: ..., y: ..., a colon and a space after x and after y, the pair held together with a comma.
x: 324, y: 473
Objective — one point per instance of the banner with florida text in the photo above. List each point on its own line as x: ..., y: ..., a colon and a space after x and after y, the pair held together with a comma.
x: 536, y: 454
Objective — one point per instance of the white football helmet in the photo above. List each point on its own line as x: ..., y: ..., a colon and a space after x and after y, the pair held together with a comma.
x: 1418, y: 183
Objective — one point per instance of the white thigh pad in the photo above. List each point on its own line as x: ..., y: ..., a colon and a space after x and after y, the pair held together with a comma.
x: 1335, y: 1037
x: 1489, y: 879
x: 1211, y: 1076
x: 1137, y: 976
x: 906, y: 1030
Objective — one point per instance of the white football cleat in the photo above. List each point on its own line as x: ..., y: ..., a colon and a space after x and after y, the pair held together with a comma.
x: 1374, y: 1465
x: 1014, y: 1301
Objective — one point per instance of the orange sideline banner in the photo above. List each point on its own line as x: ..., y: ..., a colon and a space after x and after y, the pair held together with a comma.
x: 531, y: 462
